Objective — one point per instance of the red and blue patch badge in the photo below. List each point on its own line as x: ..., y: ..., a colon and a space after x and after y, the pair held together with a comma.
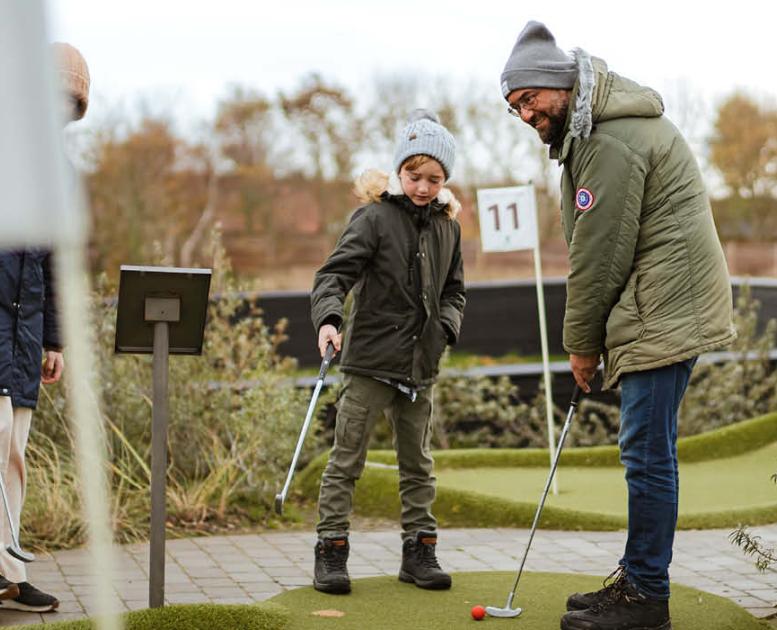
x: 584, y: 199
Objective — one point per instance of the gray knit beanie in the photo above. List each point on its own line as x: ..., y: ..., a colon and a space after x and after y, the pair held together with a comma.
x: 424, y: 135
x: 536, y: 62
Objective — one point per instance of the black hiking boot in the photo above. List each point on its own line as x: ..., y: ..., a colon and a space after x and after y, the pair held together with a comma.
x: 583, y: 601
x: 419, y: 563
x: 622, y: 608
x: 331, y: 573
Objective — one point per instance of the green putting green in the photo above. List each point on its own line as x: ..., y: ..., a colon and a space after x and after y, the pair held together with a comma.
x: 724, y: 481
x: 384, y: 603
x: 731, y: 484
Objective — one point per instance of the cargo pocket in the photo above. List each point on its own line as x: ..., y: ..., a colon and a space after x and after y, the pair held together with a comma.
x: 350, y: 424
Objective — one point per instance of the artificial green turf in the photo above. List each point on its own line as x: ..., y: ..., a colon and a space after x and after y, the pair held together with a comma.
x: 731, y: 484
x: 263, y: 616
x: 501, y: 487
x: 735, y: 439
x: 386, y: 603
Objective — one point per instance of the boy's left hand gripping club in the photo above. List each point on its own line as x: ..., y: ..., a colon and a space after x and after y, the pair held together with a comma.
x: 281, y: 497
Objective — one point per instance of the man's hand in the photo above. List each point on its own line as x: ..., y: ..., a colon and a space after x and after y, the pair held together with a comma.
x: 326, y: 334
x: 53, y: 364
x: 584, y: 369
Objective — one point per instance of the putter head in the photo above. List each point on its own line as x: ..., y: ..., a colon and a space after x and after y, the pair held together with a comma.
x: 20, y: 554
x: 506, y: 613
x: 279, y: 504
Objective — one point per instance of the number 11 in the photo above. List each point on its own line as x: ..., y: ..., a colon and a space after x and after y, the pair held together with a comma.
x: 495, y: 210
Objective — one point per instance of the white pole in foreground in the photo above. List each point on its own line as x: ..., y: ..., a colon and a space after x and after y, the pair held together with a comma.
x: 39, y: 209
x: 74, y: 302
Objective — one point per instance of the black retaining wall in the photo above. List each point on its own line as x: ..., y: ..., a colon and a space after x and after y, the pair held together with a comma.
x: 500, y: 317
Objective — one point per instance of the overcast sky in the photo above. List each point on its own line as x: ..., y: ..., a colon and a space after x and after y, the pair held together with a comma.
x: 184, y: 53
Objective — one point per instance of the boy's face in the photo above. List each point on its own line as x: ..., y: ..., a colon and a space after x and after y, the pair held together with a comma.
x: 423, y: 183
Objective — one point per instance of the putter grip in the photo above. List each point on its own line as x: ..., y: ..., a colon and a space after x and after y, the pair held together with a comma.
x: 576, y: 395
x: 330, y: 351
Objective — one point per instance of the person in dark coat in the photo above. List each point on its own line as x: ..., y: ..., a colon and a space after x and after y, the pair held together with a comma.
x: 400, y: 255
x: 30, y: 353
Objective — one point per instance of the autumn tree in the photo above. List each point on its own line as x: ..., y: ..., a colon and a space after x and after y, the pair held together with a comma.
x: 247, y: 138
x: 744, y: 150
x: 323, y: 117
x: 147, y: 190
x: 744, y: 146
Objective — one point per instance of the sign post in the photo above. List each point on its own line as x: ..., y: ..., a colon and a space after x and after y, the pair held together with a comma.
x: 508, y: 222
x: 162, y: 311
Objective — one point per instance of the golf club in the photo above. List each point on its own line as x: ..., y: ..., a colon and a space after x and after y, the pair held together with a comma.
x: 14, y: 548
x: 281, y: 497
x: 508, y: 611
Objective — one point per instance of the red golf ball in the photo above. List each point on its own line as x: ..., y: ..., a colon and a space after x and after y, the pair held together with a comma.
x: 478, y: 612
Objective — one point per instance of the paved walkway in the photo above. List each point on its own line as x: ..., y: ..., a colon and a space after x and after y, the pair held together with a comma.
x: 250, y: 568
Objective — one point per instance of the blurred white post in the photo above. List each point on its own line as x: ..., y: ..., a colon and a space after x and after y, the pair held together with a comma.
x: 39, y: 207
x: 508, y: 222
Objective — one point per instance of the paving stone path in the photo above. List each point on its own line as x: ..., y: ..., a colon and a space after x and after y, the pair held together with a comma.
x: 254, y: 567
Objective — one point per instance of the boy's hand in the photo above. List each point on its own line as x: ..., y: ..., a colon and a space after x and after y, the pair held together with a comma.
x: 326, y: 334
x: 53, y: 364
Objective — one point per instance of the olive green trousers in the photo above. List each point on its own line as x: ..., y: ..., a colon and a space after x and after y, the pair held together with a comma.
x: 363, y: 401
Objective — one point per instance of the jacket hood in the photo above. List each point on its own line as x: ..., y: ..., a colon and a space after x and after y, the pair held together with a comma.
x: 600, y: 95
x: 374, y: 185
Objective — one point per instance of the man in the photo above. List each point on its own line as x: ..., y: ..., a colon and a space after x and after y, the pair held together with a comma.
x: 648, y: 288
x: 30, y: 351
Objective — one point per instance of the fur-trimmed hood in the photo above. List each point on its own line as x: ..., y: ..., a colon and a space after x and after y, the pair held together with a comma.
x: 601, y: 95
x: 374, y: 185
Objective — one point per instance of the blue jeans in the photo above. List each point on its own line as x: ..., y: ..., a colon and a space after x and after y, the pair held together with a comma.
x: 648, y: 448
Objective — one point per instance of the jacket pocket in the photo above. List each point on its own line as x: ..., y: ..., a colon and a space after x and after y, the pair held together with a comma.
x: 350, y: 424
x: 625, y: 324
x: 433, y: 345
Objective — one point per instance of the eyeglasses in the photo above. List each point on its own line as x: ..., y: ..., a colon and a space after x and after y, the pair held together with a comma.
x: 527, y: 101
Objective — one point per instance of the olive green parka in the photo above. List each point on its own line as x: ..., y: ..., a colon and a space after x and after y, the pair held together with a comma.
x: 648, y: 284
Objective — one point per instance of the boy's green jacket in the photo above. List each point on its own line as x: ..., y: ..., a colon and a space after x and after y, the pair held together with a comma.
x: 404, y: 266
x: 648, y: 284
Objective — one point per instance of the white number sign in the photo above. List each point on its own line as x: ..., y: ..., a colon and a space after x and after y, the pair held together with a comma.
x: 508, y: 218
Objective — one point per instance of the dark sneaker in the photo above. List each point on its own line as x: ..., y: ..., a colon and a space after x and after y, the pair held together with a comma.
x: 8, y: 589
x: 582, y: 601
x: 331, y: 572
x: 622, y: 608
x: 419, y: 563
x: 30, y: 599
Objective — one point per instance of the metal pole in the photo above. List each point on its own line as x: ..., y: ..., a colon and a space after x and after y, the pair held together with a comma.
x: 156, y: 585
x: 545, y: 353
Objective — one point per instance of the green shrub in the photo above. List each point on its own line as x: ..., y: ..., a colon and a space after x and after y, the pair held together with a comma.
x: 742, y: 388
x: 234, y: 418
x: 484, y: 412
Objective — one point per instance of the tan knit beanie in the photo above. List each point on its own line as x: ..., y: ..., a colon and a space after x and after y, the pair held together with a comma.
x: 74, y: 75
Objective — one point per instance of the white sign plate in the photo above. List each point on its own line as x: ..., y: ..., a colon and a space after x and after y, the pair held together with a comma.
x: 508, y: 219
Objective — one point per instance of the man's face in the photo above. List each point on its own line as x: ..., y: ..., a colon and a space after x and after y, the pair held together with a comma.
x: 544, y: 109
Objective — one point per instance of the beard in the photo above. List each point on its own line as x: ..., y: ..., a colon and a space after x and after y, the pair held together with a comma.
x: 553, y: 122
